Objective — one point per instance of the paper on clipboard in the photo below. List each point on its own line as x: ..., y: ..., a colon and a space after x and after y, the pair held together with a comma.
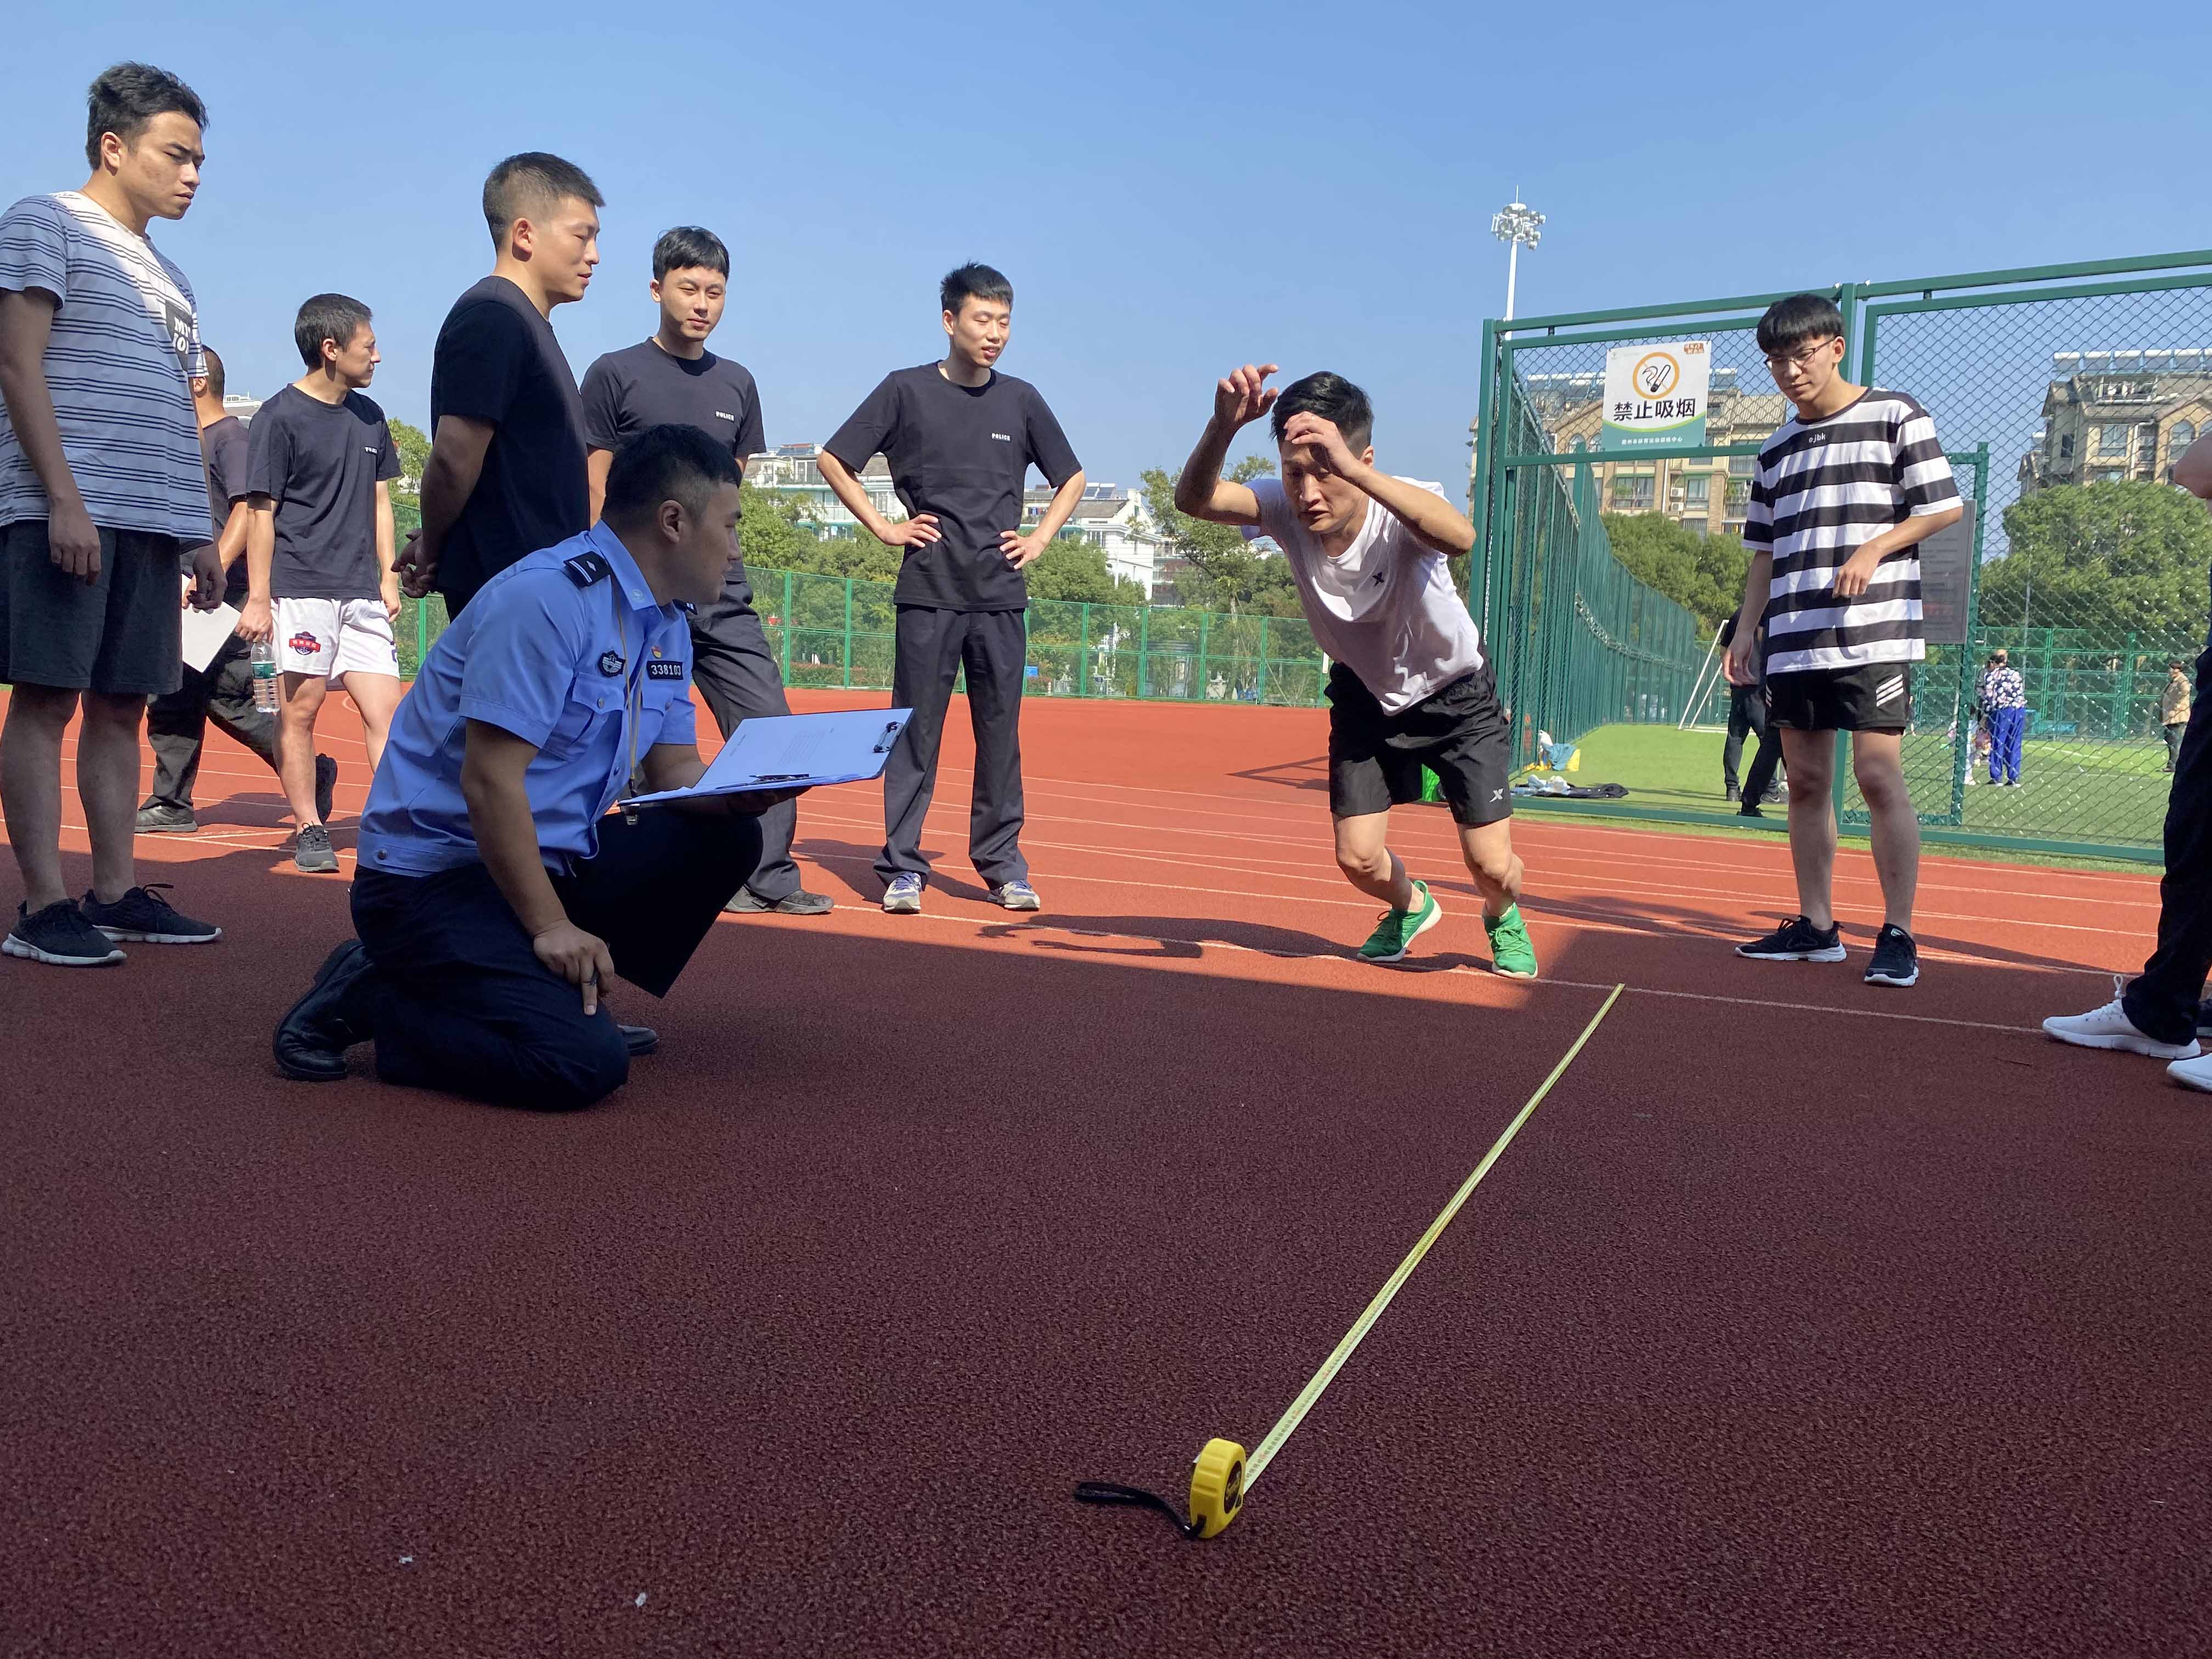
x: 796, y: 751
x: 207, y: 632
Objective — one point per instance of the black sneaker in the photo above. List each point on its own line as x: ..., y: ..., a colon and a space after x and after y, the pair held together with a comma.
x: 326, y: 785
x: 798, y: 902
x: 60, y: 937
x: 142, y: 916
x: 1749, y: 810
x: 1796, y: 940
x: 157, y: 820
x: 1896, y: 958
x: 313, y: 853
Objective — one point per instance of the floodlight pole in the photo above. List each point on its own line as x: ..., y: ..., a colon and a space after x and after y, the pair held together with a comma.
x: 1517, y: 225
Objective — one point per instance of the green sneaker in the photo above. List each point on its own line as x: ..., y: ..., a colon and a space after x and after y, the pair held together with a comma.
x: 1394, y: 936
x: 1510, y: 952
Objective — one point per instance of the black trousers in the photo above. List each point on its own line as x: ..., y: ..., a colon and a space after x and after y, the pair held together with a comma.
x: 459, y: 1001
x: 2162, y: 1002
x: 736, y: 674
x: 1747, y: 715
x: 934, y: 646
x: 176, y: 725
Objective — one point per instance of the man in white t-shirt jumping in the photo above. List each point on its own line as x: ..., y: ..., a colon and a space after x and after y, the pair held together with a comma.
x: 1408, y: 685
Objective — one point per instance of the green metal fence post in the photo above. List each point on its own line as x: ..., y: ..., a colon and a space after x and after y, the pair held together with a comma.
x: 1205, y: 623
x: 786, y: 627
x: 849, y: 631
x: 421, y: 630
x: 1144, y: 651
x: 1083, y: 656
x: 1260, y: 688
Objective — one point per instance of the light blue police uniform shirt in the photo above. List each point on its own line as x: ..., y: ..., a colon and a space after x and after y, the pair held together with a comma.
x: 557, y: 660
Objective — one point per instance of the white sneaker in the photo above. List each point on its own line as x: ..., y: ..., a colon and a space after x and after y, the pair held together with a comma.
x: 2192, y: 1074
x: 2109, y: 1027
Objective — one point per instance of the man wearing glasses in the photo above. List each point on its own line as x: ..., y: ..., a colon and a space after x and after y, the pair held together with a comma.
x: 1841, y: 500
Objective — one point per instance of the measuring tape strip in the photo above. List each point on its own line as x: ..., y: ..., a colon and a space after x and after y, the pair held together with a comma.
x: 1221, y: 1475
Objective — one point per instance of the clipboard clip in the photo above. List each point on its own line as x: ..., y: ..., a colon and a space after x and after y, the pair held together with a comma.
x: 889, y: 737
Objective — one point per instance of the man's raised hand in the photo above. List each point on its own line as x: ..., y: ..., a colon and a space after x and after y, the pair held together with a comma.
x: 1308, y: 431
x: 1244, y: 396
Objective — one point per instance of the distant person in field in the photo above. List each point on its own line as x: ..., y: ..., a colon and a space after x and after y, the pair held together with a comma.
x: 672, y: 377
x: 320, y: 551
x: 960, y: 438
x: 101, y: 492
x: 1747, y: 716
x: 2162, y: 1013
x: 1841, y: 499
x: 2004, y: 703
x: 507, y: 474
x: 1408, y: 685
x: 176, y: 725
x: 2173, y: 711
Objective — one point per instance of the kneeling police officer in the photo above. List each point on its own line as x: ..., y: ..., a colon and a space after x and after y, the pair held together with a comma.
x: 495, y: 897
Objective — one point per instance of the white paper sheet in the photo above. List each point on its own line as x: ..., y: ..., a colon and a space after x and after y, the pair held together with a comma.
x: 797, y: 752
x: 206, y: 632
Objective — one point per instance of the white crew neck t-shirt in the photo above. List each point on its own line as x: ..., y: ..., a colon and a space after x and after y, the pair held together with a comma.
x: 1385, y: 607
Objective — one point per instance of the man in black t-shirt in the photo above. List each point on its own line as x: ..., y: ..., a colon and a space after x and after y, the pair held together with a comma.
x: 960, y: 438
x: 672, y: 379
x: 319, y: 560
x: 506, y: 475
x: 176, y: 725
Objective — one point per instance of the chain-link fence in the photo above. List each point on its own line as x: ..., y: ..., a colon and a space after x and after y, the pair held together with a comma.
x: 2064, y: 394
x: 837, y: 632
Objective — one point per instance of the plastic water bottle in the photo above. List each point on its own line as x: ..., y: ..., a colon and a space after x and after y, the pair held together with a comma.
x: 264, y: 676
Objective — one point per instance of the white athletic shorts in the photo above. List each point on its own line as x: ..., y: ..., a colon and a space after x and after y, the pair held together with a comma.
x: 335, y: 637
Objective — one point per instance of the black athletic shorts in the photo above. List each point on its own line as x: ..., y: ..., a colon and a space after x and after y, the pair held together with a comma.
x: 1877, y: 697
x: 121, y: 633
x: 1460, y: 734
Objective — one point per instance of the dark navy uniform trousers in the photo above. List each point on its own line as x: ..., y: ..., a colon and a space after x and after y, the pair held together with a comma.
x: 2163, y: 1002
x: 459, y: 1001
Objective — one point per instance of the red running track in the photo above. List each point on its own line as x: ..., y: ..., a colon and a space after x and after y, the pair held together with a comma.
x: 1802, y: 1318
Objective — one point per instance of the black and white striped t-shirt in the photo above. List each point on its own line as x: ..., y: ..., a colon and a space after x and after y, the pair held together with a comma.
x: 124, y: 344
x: 1821, y: 490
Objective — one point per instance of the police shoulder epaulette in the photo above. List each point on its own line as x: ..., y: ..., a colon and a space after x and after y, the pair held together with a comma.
x: 587, y: 568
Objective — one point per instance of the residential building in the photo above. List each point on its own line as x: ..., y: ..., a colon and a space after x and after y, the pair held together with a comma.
x: 1118, y: 523
x: 2110, y: 414
x: 1706, y: 493
x: 794, y: 471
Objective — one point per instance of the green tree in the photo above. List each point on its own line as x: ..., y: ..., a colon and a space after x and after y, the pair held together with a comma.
x: 414, y: 447
x: 1703, y: 574
x: 1070, y: 568
x: 1231, y: 571
x: 2126, y: 556
x: 769, y: 530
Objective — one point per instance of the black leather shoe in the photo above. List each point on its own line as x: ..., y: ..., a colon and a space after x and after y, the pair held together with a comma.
x: 312, y: 1039
x: 639, y: 1039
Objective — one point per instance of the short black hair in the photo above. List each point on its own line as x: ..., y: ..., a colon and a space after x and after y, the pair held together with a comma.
x: 2174, y: 667
x: 332, y: 317
x: 689, y: 247
x: 1333, y: 399
x: 129, y: 95
x: 532, y: 181
x: 670, y: 462
x: 213, y: 373
x: 973, y: 282
x: 1790, y: 323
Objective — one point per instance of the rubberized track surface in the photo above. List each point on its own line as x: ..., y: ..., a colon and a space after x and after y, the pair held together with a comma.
x: 1803, y: 1318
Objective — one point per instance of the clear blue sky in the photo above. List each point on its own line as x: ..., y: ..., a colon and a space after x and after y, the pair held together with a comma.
x: 1173, y: 188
